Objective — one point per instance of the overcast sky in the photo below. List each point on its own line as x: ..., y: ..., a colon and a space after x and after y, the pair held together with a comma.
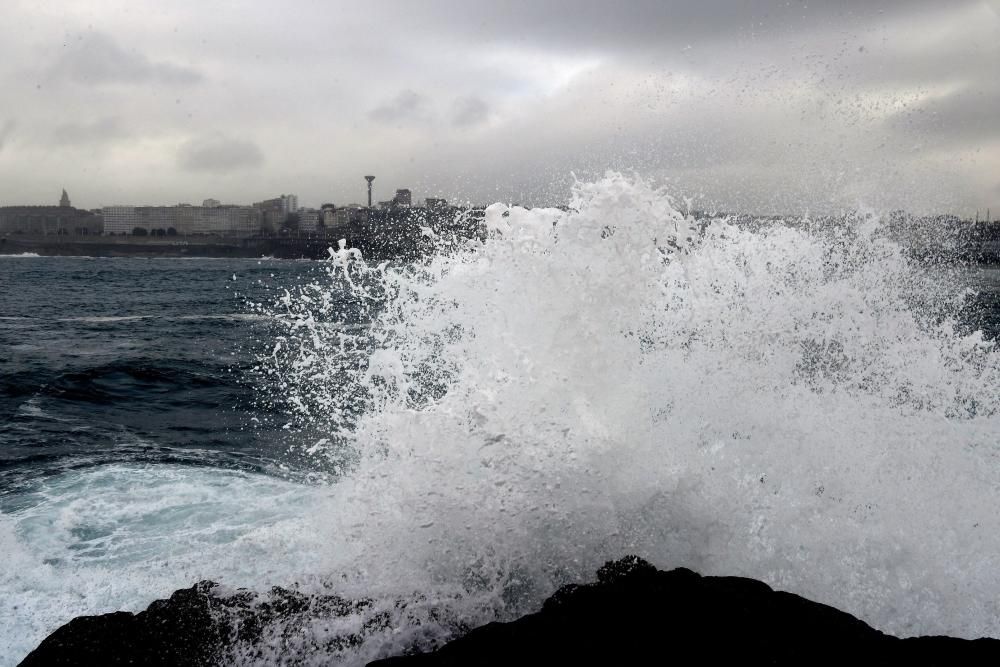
x: 767, y: 106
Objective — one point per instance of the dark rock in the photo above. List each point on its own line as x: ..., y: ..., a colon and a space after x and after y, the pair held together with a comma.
x: 195, y: 627
x: 636, y: 614
x: 178, y: 631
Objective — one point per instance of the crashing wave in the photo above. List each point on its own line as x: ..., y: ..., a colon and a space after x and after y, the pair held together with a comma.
x: 790, y: 403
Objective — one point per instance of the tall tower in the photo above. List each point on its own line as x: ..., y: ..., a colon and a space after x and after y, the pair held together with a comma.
x: 369, y: 179
x: 64, y: 200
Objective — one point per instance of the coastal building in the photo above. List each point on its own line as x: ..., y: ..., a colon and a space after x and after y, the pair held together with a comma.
x: 291, y: 203
x: 225, y: 220
x: 119, y: 219
x: 182, y: 220
x: 309, y: 219
x: 61, y: 220
x: 48, y: 220
x: 403, y: 198
x: 328, y: 214
x: 352, y: 214
x: 275, y: 212
x: 143, y: 220
x: 160, y: 220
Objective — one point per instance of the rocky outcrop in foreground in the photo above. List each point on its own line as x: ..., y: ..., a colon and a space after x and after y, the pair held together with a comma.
x: 636, y: 614
x: 633, y: 614
x: 197, y: 627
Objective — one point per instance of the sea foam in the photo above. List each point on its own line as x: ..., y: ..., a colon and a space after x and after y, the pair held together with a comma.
x: 796, y: 403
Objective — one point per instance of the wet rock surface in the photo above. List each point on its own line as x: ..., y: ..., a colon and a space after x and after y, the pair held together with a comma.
x: 200, y: 625
x: 633, y: 613
x: 636, y: 614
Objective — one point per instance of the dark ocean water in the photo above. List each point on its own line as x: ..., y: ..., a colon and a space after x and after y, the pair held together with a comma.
x: 131, y: 359
x: 112, y: 364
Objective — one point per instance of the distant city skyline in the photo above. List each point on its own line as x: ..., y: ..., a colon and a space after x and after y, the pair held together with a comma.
x: 767, y: 106
x: 403, y: 197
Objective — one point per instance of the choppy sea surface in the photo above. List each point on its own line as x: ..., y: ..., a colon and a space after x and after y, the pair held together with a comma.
x: 810, y: 407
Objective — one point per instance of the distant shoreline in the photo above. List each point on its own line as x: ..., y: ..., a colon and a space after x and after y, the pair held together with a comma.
x: 398, y: 246
x: 104, y: 246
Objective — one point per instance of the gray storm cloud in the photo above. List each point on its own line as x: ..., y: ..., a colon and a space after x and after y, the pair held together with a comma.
x: 101, y: 131
x: 219, y: 154
x: 967, y: 116
x: 469, y: 111
x: 404, y: 107
x: 97, y: 59
x: 767, y: 105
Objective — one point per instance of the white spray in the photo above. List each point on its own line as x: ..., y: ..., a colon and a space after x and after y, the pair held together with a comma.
x: 789, y: 404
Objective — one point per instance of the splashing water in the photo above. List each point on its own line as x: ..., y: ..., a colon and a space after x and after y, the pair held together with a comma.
x: 785, y: 403
x: 794, y: 403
